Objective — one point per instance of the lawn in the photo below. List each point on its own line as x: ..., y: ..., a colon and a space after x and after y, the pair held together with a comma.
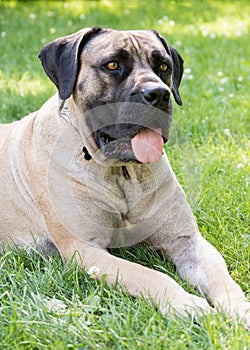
x: 47, y: 305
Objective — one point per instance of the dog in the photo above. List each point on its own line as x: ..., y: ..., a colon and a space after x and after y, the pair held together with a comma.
x: 88, y: 171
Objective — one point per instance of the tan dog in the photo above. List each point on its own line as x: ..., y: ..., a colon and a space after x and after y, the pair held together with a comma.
x: 99, y: 178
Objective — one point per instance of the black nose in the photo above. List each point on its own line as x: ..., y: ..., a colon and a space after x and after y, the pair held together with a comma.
x: 155, y: 95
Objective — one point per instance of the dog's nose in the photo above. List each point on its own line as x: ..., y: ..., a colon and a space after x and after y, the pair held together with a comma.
x: 155, y: 95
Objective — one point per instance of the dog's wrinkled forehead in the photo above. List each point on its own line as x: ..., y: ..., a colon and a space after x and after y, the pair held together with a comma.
x: 137, y: 43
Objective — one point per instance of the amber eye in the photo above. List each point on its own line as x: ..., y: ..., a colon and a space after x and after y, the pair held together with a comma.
x: 112, y: 65
x: 163, y: 67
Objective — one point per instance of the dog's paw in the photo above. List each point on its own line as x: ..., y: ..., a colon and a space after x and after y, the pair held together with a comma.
x: 189, y: 306
x: 239, y: 310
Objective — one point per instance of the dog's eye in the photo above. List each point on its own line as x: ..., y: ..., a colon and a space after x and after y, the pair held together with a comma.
x: 113, y: 65
x: 163, y: 67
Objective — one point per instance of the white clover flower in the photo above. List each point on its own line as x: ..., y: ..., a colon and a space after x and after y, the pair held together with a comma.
x: 213, y: 35
x: 240, y: 165
x: 219, y: 74
x: 187, y: 73
x: 227, y: 132
x: 224, y: 80
x: 55, y: 305
x: 93, y: 271
x: 32, y: 16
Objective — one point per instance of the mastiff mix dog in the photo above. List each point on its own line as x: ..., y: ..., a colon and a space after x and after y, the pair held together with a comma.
x: 88, y: 171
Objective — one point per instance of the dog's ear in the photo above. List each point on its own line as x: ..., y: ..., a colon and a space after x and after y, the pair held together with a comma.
x: 177, y: 74
x: 60, y: 59
x: 177, y: 68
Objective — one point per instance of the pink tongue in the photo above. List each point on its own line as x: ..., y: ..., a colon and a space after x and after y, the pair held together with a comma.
x: 147, y: 145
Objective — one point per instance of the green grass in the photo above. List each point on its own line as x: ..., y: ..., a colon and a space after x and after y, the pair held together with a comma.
x: 209, y: 151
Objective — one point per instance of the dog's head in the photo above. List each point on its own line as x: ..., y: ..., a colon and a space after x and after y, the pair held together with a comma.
x: 119, y: 86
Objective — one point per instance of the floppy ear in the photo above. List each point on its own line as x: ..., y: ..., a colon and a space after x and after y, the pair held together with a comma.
x: 177, y: 68
x: 177, y: 74
x: 60, y: 59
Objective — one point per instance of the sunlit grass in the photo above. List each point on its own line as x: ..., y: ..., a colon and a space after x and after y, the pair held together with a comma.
x: 227, y: 22
x: 25, y: 85
x: 209, y: 151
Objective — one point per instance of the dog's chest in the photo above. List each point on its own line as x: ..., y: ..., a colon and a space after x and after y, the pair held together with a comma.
x: 129, y: 189
x: 119, y: 203
x: 124, y: 200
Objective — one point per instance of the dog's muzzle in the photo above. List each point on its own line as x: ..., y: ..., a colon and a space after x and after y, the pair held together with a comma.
x: 115, y: 140
x: 134, y: 130
x: 135, y: 142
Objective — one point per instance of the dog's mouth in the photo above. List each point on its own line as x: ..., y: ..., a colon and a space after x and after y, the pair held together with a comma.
x: 128, y: 142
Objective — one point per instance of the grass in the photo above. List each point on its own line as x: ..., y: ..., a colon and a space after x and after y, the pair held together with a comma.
x: 47, y: 305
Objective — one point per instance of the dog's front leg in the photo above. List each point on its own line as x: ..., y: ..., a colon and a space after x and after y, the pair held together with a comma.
x: 134, y: 278
x: 196, y: 260
x: 203, y: 266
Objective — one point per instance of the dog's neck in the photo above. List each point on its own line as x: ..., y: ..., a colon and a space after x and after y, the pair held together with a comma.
x: 64, y: 112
